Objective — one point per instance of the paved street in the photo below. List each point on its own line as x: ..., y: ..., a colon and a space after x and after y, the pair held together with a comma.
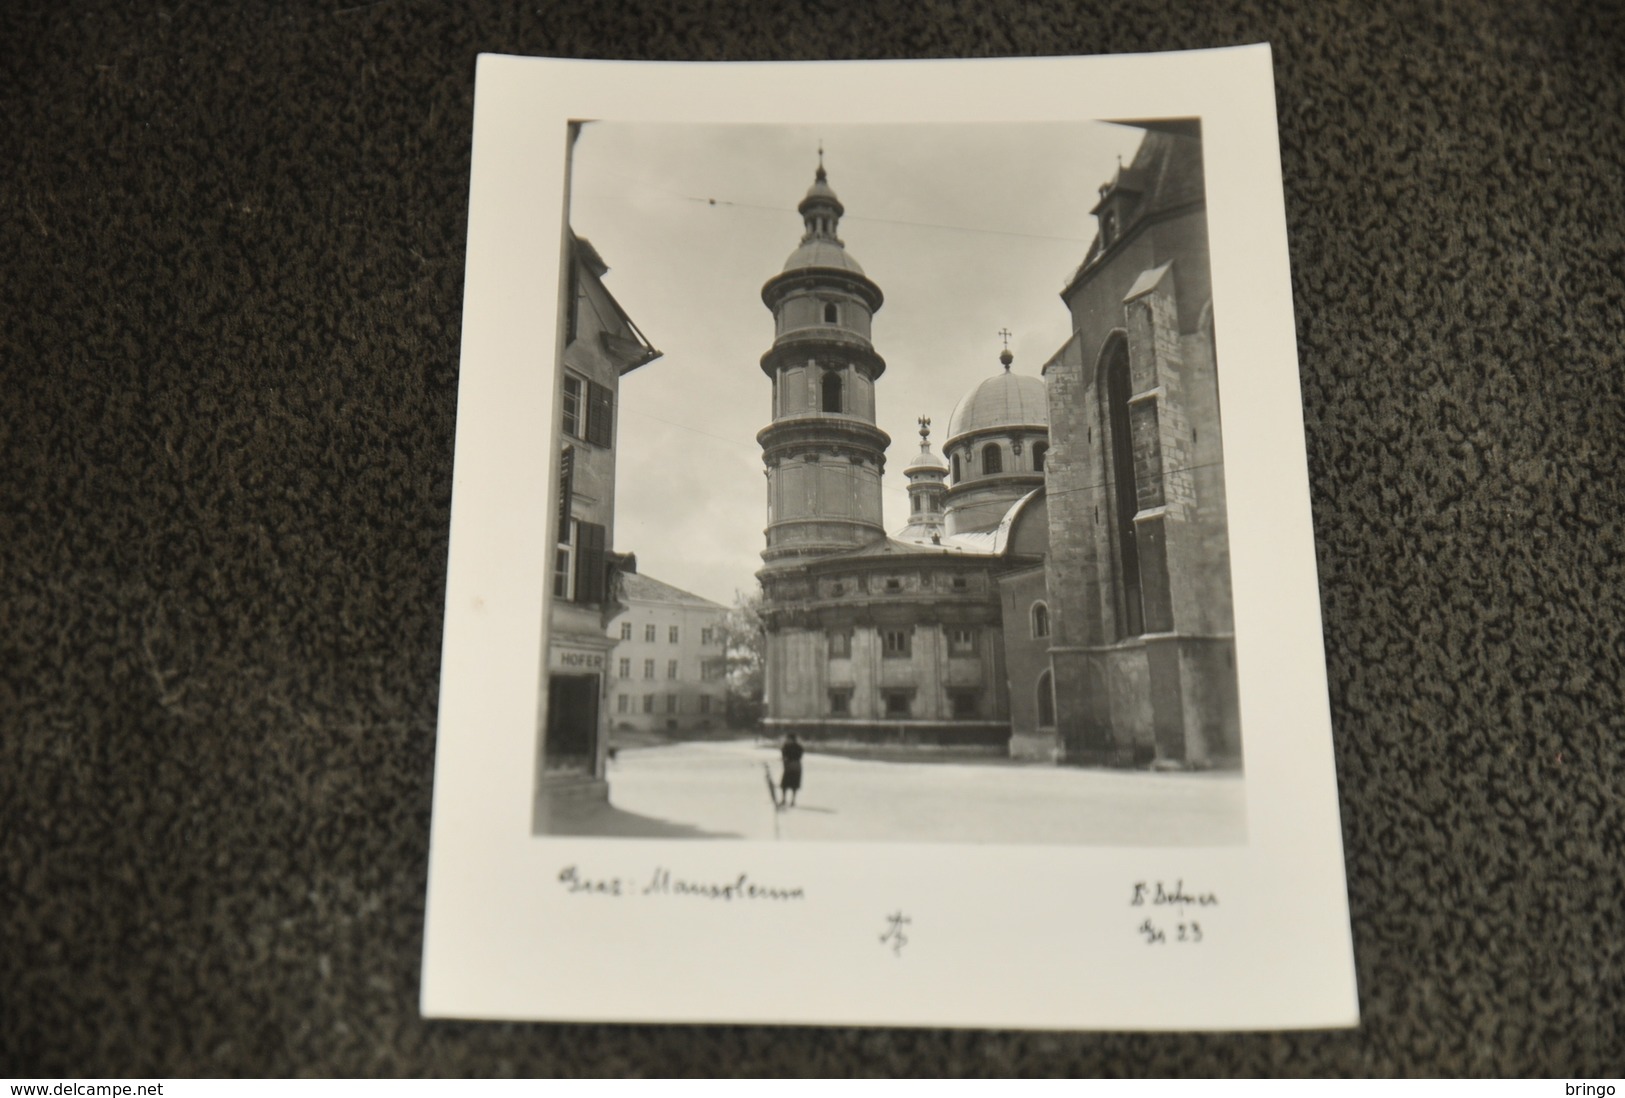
x: 718, y: 790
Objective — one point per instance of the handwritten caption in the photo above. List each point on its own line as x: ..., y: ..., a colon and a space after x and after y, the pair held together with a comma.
x: 662, y: 882
x: 1177, y: 926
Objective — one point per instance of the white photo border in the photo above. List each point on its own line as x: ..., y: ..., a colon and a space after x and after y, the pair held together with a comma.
x: 1000, y: 936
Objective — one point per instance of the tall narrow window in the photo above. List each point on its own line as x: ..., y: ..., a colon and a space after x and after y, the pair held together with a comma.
x: 832, y: 392
x: 649, y: 634
x: 564, y: 563
x: 671, y: 669
x: 896, y: 644
x: 574, y: 407
x: 672, y: 634
x: 592, y: 566
x: 832, y: 314
x: 992, y: 459
x: 626, y: 630
x: 1125, y: 495
x: 956, y: 468
x: 600, y: 415
x: 1040, y: 620
x: 1039, y: 450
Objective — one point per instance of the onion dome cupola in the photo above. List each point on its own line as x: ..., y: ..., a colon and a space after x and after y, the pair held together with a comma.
x: 927, y: 489
x: 823, y: 452
x: 997, y: 438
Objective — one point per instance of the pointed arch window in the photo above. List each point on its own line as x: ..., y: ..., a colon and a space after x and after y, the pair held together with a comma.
x: 1125, y: 501
x: 831, y: 398
x: 992, y: 459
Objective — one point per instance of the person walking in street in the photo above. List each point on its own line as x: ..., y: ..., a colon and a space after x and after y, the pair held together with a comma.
x: 790, y: 782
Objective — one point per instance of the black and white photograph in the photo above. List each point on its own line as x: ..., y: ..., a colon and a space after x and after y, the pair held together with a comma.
x: 890, y: 489
x: 848, y: 548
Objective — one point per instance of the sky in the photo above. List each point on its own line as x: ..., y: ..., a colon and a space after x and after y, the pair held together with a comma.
x: 967, y: 230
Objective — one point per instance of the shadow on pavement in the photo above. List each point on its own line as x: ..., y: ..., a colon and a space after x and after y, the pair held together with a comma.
x: 596, y: 819
x: 810, y: 808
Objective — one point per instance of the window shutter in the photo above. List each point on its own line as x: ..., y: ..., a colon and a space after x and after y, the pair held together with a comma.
x: 591, y: 572
x: 600, y: 415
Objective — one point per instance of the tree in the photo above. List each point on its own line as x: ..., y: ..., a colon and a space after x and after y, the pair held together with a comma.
x: 743, y: 648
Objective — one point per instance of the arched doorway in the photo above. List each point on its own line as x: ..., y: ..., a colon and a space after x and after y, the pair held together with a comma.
x: 1046, y: 700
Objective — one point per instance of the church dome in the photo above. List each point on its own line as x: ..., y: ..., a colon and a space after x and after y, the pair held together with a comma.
x: 926, y: 461
x: 1006, y: 399
x: 821, y: 252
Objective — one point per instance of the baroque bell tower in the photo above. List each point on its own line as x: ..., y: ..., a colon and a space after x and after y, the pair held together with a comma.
x: 823, y: 452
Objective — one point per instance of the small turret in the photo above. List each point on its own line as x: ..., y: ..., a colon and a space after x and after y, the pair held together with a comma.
x: 927, y: 490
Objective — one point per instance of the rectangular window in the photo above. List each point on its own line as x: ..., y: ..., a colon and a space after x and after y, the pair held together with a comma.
x: 574, y: 409
x: 626, y: 668
x: 705, y: 704
x: 897, y: 644
x: 961, y: 642
x: 623, y: 703
x: 964, y: 703
x: 564, y: 564
x: 648, y: 703
x: 588, y: 411
x: 649, y: 634
x: 671, y: 669
x: 706, y: 635
x: 648, y: 669
x: 671, y: 635
x: 626, y: 630
x: 899, y: 703
x: 840, y: 644
x: 840, y: 703
x: 671, y: 703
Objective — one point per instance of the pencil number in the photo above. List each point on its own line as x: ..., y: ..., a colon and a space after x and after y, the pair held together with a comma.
x: 1154, y: 933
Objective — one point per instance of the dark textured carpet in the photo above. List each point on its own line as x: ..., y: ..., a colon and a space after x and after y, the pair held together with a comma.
x: 230, y: 284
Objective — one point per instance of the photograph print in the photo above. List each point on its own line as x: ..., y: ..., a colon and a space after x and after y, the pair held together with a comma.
x: 890, y: 489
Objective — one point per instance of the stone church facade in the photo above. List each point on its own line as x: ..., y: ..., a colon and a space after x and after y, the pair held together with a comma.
x: 1061, y: 589
x: 1143, y: 647
x: 874, y: 637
